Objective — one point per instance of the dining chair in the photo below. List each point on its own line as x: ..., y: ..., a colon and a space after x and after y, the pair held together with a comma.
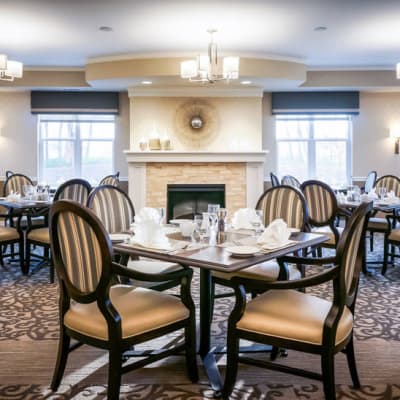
x: 287, y: 203
x: 112, y: 179
x: 291, y: 181
x: 274, y: 180
x: 323, y: 210
x: 115, y: 210
x: 370, y: 181
x: 295, y: 320
x: 10, y: 236
x: 73, y: 189
x: 95, y: 311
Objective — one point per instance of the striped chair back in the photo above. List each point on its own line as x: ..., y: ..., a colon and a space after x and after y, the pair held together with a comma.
x: 75, y: 189
x: 284, y: 202
x: 321, y: 201
x: 15, y: 183
x: 110, y: 180
x: 80, y: 248
x: 291, y: 181
x: 113, y: 207
x: 390, y: 182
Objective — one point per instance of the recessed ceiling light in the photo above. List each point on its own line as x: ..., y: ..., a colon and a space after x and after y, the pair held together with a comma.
x: 245, y: 82
x: 320, y: 28
x: 147, y: 82
x: 105, y: 28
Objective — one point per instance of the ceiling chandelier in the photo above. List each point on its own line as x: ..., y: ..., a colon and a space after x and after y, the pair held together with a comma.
x: 205, y: 68
x: 9, y: 69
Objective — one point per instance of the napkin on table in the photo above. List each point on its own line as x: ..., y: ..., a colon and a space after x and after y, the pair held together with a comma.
x: 275, y: 235
x: 148, y: 214
x: 14, y: 196
x: 242, y: 218
x: 372, y: 194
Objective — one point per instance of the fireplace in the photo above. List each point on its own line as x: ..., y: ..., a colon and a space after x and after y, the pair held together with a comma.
x: 186, y: 200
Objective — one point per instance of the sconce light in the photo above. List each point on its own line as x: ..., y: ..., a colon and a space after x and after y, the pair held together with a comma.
x: 395, y: 134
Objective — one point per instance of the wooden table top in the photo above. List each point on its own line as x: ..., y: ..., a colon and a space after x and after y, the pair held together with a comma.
x: 216, y: 257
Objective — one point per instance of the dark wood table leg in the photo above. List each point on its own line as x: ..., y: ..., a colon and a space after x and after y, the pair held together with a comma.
x: 208, y: 357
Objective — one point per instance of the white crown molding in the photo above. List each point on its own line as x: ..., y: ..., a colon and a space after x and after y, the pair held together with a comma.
x: 198, y: 91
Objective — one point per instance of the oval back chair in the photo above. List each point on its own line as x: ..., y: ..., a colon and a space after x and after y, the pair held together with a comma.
x: 96, y: 311
x: 74, y: 189
x: 291, y: 181
x: 274, y: 180
x: 110, y: 180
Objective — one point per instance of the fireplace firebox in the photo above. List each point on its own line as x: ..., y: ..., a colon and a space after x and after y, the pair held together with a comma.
x: 186, y: 200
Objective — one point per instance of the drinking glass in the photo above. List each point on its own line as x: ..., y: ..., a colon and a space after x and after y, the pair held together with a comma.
x: 201, y: 226
x: 382, y: 192
x: 256, y: 222
x: 28, y: 191
x: 212, y: 210
x: 161, y: 212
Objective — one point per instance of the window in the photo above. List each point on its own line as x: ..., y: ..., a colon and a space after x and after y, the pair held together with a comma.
x: 73, y: 146
x: 314, y: 146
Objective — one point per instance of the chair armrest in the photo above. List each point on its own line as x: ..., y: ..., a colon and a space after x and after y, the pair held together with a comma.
x: 308, y: 260
x: 317, y: 279
x: 122, y: 270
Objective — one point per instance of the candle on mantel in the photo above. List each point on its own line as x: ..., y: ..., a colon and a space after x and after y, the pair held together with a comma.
x: 143, y: 144
x: 165, y: 143
x: 154, y: 143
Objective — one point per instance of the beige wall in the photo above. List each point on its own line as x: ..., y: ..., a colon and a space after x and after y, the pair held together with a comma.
x: 18, y: 134
x: 237, y: 122
x: 372, y: 147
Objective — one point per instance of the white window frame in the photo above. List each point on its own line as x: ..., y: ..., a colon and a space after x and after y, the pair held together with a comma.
x: 311, y: 141
x: 74, y: 118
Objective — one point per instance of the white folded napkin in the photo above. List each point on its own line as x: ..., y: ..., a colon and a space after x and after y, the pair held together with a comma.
x: 242, y: 218
x: 392, y: 198
x: 149, y: 233
x: 372, y: 194
x: 14, y: 196
x: 341, y: 197
x: 148, y: 214
x: 275, y: 235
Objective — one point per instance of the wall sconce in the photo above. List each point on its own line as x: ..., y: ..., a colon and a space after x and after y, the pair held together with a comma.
x: 395, y: 134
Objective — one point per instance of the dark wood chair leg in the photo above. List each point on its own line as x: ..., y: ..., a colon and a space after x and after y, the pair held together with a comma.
x: 351, y: 361
x: 22, y: 261
x: 371, y: 241
x: 231, y: 365
x: 51, y: 268
x: 190, y: 351
x: 114, y: 374
x: 328, y: 374
x: 385, y: 255
x: 27, y: 256
x: 62, y: 356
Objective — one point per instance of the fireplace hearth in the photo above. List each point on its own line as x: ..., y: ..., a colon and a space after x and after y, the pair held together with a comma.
x: 186, y: 200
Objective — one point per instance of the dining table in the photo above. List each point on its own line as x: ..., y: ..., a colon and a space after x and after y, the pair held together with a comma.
x: 213, y: 254
x: 20, y: 207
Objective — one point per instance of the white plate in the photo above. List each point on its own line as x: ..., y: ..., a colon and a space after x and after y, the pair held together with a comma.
x: 243, y: 251
x: 179, y: 221
x: 294, y: 230
x: 119, y: 237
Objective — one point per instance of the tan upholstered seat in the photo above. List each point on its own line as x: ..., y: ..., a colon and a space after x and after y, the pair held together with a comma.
x: 267, y: 271
x: 293, y: 315
x: 8, y: 233
x: 141, y: 310
x: 394, y: 235
x: 41, y: 235
x: 153, y: 266
x: 377, y: 223
x: 325, y: 230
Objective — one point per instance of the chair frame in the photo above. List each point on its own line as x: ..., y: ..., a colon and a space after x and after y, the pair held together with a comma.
x: 274, y: 180
x: 331, y: 221
x: 115, y: 176
x: 46, y: 246
x: 116, y: 345
x: 342, y: 297
x: 290, y: 180
x: 370, y: 182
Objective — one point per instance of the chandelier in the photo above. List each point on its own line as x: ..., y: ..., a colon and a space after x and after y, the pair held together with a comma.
x: 205, y: 68
x: 9, y: 69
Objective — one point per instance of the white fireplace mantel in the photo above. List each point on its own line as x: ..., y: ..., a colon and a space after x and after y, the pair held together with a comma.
x: 137, y: 161
x: 195, y: 156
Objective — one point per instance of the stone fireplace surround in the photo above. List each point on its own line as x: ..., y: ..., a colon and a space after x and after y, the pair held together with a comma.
x: 150, y: 171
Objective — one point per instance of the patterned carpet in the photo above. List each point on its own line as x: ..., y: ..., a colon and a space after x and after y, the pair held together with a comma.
x: 29, y: 332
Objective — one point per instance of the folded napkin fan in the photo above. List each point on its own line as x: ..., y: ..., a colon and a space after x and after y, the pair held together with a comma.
x: 243, y: 217
x: 149, y: 233
x: 372, y: 194
x: 148, y: 214
x: 275, y: 235
x: 14, y: 196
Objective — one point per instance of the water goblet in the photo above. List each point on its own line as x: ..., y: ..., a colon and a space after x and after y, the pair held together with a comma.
x: 212, y: 210
x: 256, y: 222
x: 161, y: 212
x: 201, y: 226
